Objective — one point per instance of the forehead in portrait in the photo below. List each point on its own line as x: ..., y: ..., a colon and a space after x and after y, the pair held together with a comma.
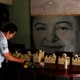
x: 55, y: 33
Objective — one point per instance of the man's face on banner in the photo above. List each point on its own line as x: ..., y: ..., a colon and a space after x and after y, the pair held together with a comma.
x: 57, y: 33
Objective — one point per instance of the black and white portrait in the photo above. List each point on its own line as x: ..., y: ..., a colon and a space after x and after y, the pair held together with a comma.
x: 56, y: 33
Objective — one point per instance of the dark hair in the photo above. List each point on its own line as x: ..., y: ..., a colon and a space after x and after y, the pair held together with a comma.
x: 9, y: 27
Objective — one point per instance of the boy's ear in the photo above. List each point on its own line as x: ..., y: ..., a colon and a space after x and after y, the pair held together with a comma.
x: 9, y: 32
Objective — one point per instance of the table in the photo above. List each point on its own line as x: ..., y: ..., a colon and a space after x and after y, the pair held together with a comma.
x: 52, y: 69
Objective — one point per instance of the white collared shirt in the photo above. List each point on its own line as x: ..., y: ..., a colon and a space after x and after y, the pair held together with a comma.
x: 3, y: 47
